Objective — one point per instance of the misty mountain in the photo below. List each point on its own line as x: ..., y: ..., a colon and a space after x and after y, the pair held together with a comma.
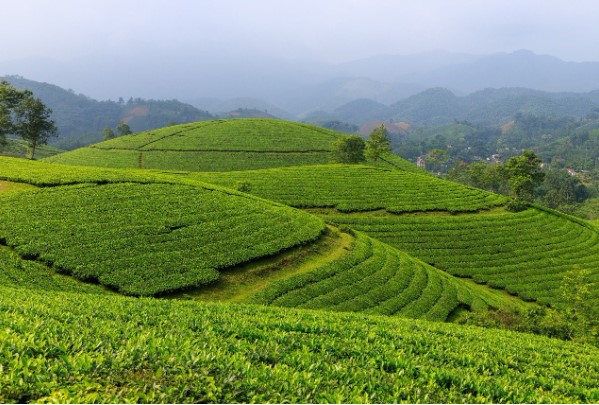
x: 518, y: 69
x: 438, y: 106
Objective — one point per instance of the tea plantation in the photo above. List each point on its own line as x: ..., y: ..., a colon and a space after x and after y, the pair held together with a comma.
x: 345, y: 274
x: 221, y: 145
x: 72, y: 347
x: 357, y: 188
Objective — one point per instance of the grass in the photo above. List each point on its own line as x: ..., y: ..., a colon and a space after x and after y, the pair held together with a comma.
x: 7, y: 186
x: 238, y: 283
x: 19, y: 148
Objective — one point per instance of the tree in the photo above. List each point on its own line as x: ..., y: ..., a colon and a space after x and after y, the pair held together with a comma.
x: 562, y: 189
x: 108, y: 134
x: 436, y: 159
x: 524, y: 174
x: 379, y: 143
x: 349, y: 149
x: 32, y: 121
x: 9, y: 100
x: 123, y: 129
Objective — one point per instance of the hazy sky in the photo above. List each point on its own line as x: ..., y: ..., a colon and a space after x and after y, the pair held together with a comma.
x: 329, y: 30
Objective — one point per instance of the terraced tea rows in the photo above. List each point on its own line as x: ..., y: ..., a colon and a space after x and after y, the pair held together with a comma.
x: 528, y: 253
x: 89, y: 348
x: 222, y: 145
x: 378, y: 279
x: 253, y: 134
x: 357, y: 188
x: 146, y: 239
x: 31, y: 275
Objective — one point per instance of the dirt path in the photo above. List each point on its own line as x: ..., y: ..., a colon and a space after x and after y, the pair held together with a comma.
x: 236, y: 284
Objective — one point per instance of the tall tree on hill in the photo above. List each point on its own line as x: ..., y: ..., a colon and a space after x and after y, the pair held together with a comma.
x: 524, y: 174
x: 33, y: 123
x: 26, y: 116
x: 378, y: 144
x: 123, y: 129
x: 349, y: 149
x: 9, y: 99
x: 108, y: 133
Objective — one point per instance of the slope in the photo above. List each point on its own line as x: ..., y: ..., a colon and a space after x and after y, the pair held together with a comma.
x: 147, y: 233
x: 527, y: 253
x: 221, y: 145
x: 145, y: 238
x: 89, y: 348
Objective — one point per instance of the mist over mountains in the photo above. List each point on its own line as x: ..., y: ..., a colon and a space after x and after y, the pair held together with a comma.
x: 297, y: 87
x: 422, y: 89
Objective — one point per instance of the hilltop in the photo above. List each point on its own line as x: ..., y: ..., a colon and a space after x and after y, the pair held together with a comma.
x: 216, y: 145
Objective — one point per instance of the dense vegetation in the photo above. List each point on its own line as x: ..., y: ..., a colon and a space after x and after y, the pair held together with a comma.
x: 150, y: 232
x: 121, y: 235
x: 528, y: 253
x: 377, y: 279
x: 86, y: 348
x: 357, y: 188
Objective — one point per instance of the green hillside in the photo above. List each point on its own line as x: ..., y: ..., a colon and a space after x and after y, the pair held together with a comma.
x: 19, y: 148
x: 81, y: 120
x: 147, y: 239
x: 86, y: 348
x: 357, y: 188
x: 527, y: 253
x: 74, y: 239
x: 375, y: 278
x: 221, y: 145
x: 146, y: 233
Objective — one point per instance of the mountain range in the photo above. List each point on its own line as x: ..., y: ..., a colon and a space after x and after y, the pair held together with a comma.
x: 425, y: 89
x: 296, y: 88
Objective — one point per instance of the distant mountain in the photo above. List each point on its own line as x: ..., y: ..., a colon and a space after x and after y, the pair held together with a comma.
x: 518, y: 69
x: 438, y: 106
x: 81, y: 120
x: 219, y: 106
x: 292, y: 89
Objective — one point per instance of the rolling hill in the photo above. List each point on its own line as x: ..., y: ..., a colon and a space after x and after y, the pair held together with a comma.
x: 327, y: 289
x: 113, y: 229
x: 81, y: 119
x: 463, y: 231
x: 220, y: 145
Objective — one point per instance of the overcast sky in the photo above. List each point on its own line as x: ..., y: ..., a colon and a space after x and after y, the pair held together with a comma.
x: 328, y: 30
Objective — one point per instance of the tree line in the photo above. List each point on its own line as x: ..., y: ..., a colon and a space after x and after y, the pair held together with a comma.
x: 24, y: 116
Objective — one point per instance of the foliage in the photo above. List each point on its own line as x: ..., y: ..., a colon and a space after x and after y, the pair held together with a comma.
x: 524, y: 174
x: 108, y: 133
x: 353, y: 188
x: 526, y: 253
x: 349, y: 149
x: 86, y: 349
x: 24, y: 115
x: 379, y: 144
x: 377, y: 279
x: 120, y: 234
x: 9, y: 100
x: 123, y: 129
